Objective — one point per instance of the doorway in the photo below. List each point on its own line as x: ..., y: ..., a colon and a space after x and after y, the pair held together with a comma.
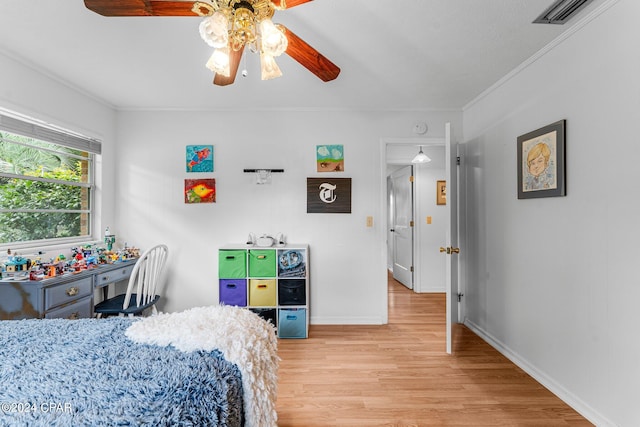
x: 401, y: 223
x: 443, y: 250
x: 421, y: 228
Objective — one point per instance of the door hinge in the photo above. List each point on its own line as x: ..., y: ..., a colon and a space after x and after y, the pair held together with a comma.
x: 460, y: 295
x: 411, y: 178
x: 410, y: 223
x: 458, y: 160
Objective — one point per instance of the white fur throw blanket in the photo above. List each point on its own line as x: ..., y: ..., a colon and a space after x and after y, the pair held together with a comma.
x: 241, y: 335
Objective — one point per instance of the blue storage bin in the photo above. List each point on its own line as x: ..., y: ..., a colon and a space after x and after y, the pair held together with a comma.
x: 233, y: 292
x: 292, y: 323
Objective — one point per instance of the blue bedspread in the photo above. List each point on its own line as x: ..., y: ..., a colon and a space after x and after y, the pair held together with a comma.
x: 87, y: 373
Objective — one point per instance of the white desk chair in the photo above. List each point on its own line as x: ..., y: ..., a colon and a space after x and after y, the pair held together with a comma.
x: 142, y: 288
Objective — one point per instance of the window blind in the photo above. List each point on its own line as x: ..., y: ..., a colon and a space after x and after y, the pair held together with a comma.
x: 43, y: 133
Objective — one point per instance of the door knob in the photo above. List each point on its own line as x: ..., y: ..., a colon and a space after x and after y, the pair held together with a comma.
x: 449, y: 250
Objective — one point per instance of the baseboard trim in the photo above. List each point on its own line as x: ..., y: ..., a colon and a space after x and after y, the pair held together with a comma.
x: 432, y: 291
x: 569, y: 398
x: 346, y: 321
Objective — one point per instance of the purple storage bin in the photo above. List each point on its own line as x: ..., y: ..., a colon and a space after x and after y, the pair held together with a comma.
x: 233, y: 292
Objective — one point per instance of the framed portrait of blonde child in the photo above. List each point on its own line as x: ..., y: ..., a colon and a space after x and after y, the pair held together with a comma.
x: 541, y: 162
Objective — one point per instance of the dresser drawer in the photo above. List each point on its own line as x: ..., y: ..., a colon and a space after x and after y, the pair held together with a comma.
x: 113, y: 276
x: 79, y: 309
x: 67, y: 292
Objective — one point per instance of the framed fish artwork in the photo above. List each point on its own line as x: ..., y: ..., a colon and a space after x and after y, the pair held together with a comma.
x: 200, y: 190
x: 199, y: 158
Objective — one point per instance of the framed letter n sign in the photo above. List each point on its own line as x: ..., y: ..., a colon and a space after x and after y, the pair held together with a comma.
x: 328, y: 195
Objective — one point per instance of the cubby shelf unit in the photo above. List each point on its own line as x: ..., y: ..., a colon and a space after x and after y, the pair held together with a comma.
x: 273, y: 282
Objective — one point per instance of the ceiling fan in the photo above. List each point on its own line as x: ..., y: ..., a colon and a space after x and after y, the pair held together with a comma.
x: 229, y: 26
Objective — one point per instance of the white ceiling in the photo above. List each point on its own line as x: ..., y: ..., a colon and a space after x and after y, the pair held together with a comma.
x: 405, y: 54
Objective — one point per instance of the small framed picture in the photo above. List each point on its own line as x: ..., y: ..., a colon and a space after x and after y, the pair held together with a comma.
x: 441, y: 192
x: 199, y: 158
x: 541, y: 162
x: 330, y: 158
x: 200, y: 190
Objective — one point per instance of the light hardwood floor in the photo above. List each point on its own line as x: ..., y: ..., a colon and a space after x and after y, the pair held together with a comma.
x: 399, y: 375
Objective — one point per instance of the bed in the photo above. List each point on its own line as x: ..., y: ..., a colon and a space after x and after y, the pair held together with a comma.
x: 207, y: 366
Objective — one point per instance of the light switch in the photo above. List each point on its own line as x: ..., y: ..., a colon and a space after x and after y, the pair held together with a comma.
x: 369, y: 221
x: 428, y: 220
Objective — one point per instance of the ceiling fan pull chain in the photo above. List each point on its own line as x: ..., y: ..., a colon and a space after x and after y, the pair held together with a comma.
x: 244, y: 66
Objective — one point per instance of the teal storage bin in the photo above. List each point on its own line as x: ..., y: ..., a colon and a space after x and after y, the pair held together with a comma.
x: 232, y: 264
x: 262, y: 263
x: 292, y: 323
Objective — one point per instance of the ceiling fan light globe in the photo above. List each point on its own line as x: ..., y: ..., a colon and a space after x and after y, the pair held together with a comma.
x: 219, y: 62
x: 268, y: 67
x: 214, y: 30
x: 274, y: 42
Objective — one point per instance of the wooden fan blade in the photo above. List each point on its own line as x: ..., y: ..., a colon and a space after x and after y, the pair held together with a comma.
x: 310, y: 58
x: 172, y: 8
x: 140, y: 7
x: 234, y: 63
x: 288, y: 4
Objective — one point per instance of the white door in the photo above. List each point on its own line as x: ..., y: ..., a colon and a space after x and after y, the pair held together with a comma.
x: 451, y: 249
x: 402, y: 230
x: 390, y: 215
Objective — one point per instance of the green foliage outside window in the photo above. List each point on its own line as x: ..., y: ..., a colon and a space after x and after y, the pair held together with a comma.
x: 41, y: 209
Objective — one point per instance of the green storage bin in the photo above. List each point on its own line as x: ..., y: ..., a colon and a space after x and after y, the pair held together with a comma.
x: 232, y: 264
x: 262, y: 263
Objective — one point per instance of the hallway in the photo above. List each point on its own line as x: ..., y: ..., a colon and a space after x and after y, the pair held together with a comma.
x: 399, y: 375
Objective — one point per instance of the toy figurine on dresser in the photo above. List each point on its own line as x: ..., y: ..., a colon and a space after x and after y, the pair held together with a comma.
x: 109, y: 239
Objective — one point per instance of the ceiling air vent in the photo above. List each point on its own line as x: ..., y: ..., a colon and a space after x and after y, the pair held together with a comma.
x: 561, y: 11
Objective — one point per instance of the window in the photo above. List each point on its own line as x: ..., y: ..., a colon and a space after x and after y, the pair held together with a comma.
x: 46, y: 183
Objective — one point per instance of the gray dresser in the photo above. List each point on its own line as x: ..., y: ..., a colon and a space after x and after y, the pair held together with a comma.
x: 69, y: 296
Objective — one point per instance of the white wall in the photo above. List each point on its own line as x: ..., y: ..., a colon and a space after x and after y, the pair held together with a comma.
x: 348, y: 271
x: 553, y: 282
x: 24, y: 90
